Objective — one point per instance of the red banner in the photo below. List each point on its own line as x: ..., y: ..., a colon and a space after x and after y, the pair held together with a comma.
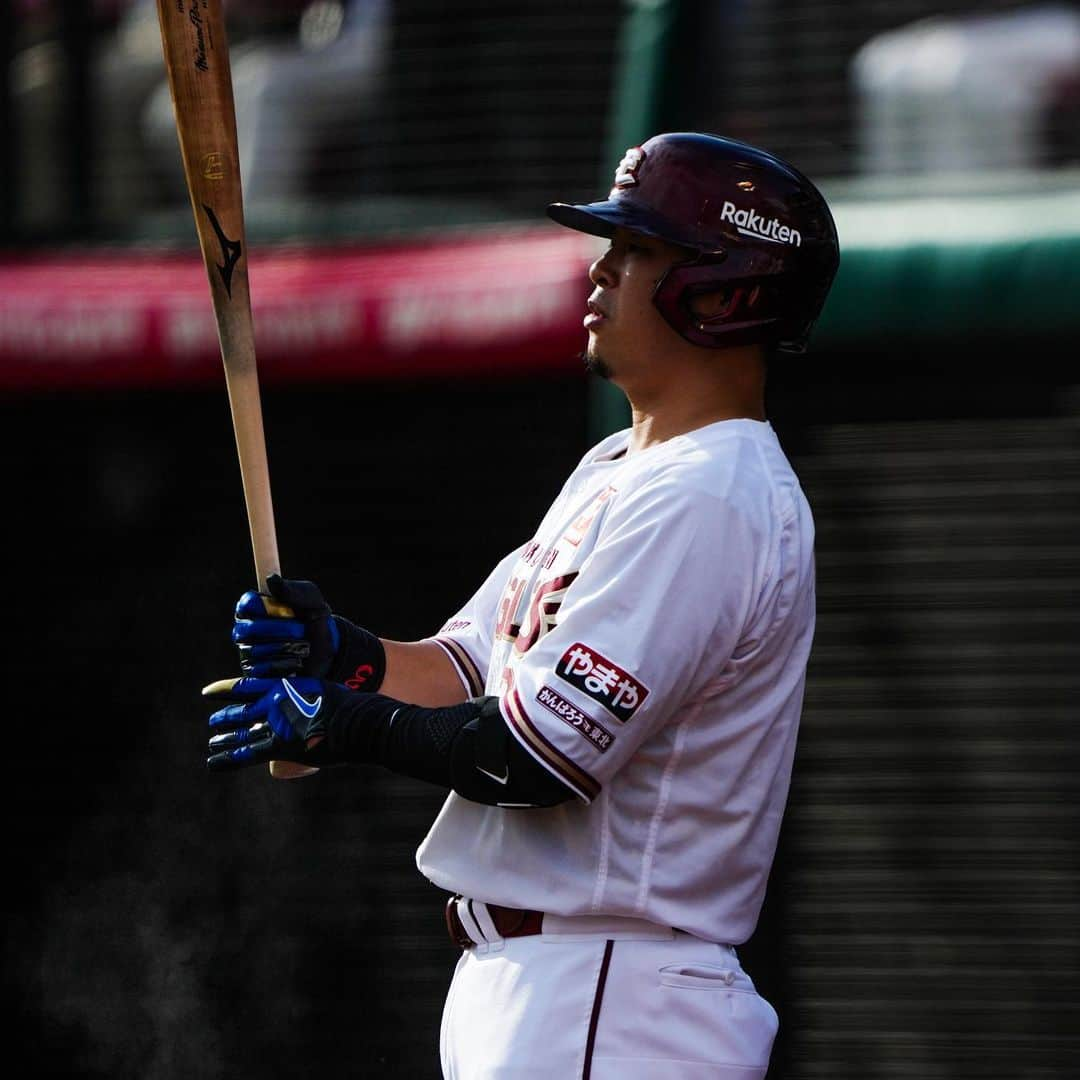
x: 504, y: 302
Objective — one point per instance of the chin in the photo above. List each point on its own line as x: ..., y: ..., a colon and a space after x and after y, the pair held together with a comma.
x: 595, y: 364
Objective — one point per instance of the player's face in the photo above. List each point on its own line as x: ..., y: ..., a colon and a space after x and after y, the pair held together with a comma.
x: 625, y: 328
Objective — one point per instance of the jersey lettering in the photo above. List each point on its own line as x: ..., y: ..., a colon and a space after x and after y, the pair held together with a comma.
x: 506, y: 682
x: 543, y: 612
x: 580, y: 526
x: 537, y: 553
x: 506, y: 629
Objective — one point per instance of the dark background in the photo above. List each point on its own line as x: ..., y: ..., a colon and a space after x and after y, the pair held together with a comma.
x: 162, y: 923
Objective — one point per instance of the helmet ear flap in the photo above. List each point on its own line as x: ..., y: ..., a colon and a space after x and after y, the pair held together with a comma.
x: 725, y: 303
x: 714, y: 304
x: 723, y: 299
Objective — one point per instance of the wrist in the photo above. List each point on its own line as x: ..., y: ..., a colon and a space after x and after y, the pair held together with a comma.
x: 357, y: 725
x: 408, y: 739
x: 359, y: 657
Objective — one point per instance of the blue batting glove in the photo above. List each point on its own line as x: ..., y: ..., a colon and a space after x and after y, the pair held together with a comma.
x: 291, y: 631
x: 269, y: 720
x: 288, y: 632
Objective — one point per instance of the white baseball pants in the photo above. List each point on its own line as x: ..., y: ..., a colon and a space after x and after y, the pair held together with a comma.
x: 603, y: 999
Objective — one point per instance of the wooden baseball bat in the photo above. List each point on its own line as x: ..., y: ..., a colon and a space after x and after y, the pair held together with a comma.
x: 197, y: 62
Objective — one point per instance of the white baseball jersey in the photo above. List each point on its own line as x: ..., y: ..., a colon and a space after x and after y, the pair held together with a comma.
x: 649, y: 648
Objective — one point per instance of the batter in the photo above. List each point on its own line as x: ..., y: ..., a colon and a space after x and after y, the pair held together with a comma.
x: 615, y: 710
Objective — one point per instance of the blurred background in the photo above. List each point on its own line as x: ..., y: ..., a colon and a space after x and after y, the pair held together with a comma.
x: 418, y: 323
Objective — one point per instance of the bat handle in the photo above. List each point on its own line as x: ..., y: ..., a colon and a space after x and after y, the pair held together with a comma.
x: 264, y: 567
x: 279, y: 770
x: 251, y: 449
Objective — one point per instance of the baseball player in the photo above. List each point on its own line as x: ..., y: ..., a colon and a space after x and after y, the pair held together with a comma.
x: 615, y: 709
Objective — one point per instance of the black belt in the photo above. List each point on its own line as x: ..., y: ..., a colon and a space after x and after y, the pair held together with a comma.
x: 509, y: 922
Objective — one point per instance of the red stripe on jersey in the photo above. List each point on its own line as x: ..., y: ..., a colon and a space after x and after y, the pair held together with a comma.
x: 594, y: 1018
x: 575, y: 777
x: 467, y: 669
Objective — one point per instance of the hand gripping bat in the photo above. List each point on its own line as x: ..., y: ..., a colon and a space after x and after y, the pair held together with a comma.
x: 197, y: 62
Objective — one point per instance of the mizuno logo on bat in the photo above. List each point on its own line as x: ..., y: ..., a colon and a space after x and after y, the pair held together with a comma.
x: 230, y: 251
x: 310, y: 709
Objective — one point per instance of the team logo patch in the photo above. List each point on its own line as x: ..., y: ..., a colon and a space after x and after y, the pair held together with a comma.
x: 606, y: 683
x: 626, y: 173
x: 572, y: 715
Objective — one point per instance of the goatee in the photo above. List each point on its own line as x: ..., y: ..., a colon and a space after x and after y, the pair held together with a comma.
x: 595, y: 365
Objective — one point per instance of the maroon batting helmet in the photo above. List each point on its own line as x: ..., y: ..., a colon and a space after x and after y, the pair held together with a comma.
x: 761, y: 230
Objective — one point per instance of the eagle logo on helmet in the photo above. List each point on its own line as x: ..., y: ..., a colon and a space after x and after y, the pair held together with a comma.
x: 626, y: 173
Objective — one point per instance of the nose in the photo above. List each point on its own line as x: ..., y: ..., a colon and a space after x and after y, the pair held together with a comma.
x: 602, y: 272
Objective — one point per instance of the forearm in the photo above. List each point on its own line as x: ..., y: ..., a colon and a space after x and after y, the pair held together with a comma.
x: 421, y: 673
x: 466, y: 747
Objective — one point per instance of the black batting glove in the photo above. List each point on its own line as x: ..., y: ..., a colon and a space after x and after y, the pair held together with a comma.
x: 291, y: 631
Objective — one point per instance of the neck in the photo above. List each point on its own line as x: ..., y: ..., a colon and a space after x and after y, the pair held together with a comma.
x: 724, y: 384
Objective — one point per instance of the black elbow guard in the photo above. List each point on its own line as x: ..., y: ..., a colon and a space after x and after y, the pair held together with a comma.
x: 488, y: 765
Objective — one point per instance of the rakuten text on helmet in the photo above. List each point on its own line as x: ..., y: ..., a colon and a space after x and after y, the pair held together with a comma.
x: 751, y: 223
